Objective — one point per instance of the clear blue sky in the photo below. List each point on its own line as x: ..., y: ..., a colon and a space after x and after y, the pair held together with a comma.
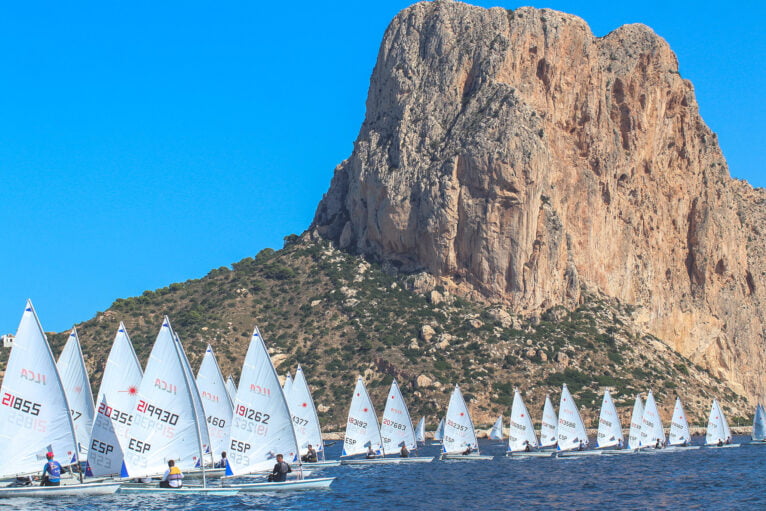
x: 144, y: 143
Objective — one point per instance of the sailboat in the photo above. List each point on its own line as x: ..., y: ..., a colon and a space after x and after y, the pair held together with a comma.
x: 362, y: 430
x: 718, y: 433
x: 231, y: 388
x: 459, y: 434
x: 439, y: 433
x: 420, y: 431
x: 496, y: 433
x: 116, y: 399
x: 522, y: 441
x: 167, y: 420
x: 305, y: 420
x: 609, y: 438
x: 680, y: 437
x: 396, y: 427
x: 759, y: 426
x: 74, y: 377
x: 262, y: 426
x: 549, y: 425
x: 36, y: 416
x: 652, y: 434
x: 571, y: 435
x: 634, y: 435
x: 218, y: 407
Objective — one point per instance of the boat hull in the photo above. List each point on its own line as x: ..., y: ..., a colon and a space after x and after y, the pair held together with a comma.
x: 322, y: 464
x: 727, y: 446
x: 577, y: 454
x: 531, y: 454
x: 303, y: 484
x: 373, y: 461
x: 615, y: 452
x: 184, y: 490
x: 60, y: 491
x: 467, y: 457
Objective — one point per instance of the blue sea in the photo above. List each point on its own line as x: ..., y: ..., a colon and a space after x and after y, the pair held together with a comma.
x: 700, y: 479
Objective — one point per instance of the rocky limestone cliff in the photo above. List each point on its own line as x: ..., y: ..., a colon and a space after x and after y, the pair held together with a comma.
x: 519, y: 159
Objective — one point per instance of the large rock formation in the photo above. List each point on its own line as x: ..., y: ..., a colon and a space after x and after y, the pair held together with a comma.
x: 516, y: 157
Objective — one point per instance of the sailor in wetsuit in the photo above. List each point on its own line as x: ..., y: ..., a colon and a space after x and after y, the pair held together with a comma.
x: 280, y: 471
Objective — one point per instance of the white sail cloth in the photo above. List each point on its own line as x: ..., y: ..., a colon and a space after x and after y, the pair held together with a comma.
x: 679, y: 426
x: 549, y: 425
x: 459, y: 434
x: 652, y: 433
x: 74, y: 377
x: 759, y: 424
x: 717, y: 427
x: 218, y: 407
x: 439, y: 433
x: 634, y: 435
x: 496, y: 433
x: 34, y: 411
x: 362, y: 431
x: 231, y: 388
x: 116, y: 401
x: 522, y: 431
x: 609, y: 427
x: 396, y: 427
x: 571, y: 431
x: 304, y: 415
x: 262, y: 426
x: 420, y: 430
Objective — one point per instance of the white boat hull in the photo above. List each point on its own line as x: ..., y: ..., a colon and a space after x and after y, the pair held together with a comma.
x: 184, y: 490
x: 209, y: 472
x: 322, y: 464
x: 467, y: 457
x: 530, y: 454
x: 417, y: 459
x: 577, y: 454
x: 303, y: 484
x: 372, y: 461
x: 613, y: 452
x: 70, y: 490
x: 679, y: 448
x: 726, y: 446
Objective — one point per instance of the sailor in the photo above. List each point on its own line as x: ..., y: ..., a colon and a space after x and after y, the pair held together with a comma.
x: 173, y: 476
x: 281, y: 469
x: 223, y: 462
x: 658, y: 445
x: 720, y: 442
x: 467, y: 450
x: 619, y: 443
x: 51, y: 472
x: 527, y: 447
x: 404, y: 452
x: 310, y: 456
x: 370, y: 453
x: 581, y: 447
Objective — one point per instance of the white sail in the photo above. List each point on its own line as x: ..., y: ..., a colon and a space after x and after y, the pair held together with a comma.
x: 231, y: 388
x: 679, y: 426
x: 609, y: 427
x: 287, y: 386
x: 362, y: 429
x: 305, y: 419
x: 396, y: 427
x: 571, y: 431
x: 716, y: 431
x: 759, y: 424
x: 164, y: 418
x: 74, y: 377
x: 219, y: 408
x: 459, y: 434
x: 199, y: 409
x: 35, y: 413
x: 116, y: 401
x: 496, y: 433
x: 420, y: 430
x: 439, y: 433
x: 522, y: 431
x: 726, y: 429
x: 262, y: 426
x: 634, y: 435
x: 550, y: 424
x: 651, y: 424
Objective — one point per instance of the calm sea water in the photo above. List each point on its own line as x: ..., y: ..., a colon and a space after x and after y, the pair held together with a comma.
x: 700, y: 479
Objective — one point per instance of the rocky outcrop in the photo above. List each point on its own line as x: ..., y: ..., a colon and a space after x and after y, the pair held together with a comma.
x: 520, y: 159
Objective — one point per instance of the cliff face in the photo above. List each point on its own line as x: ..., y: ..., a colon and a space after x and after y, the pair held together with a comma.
x: 518, y: 158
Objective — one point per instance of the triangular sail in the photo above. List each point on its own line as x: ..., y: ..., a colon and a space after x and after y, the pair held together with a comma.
x: 609, y: 427
x: 439, y: 433
x: 759, y: 424
x: 679, y: 426
x: 287, y: 386
x: 362, y: 429
x: 522, y: 431
x: 716, y: 431
x: 74, y: 377
x: 550, y: 424
x: 305, y: 419
x: 396, y: 427
x: 199, y: 409
x: 651, y: 424
x: 262, y: 426
x: 420, y: 430
x: 459, y: 434
x: 116, y: 401
x: 634, y: 435
x: 164, y: 417
x: 571, y: 431
x: 216, y: 402
x: 496, y: 433
x: 231, y: 388
x: 726, y: 429
x: 35, y: 415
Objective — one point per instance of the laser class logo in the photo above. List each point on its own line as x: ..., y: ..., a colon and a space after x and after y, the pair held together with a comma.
x: 33, y: 376
x: 167, y: 387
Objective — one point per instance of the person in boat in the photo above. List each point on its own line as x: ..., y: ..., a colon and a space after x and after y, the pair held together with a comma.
x: 51, y: 472
x: 468, y: 450
x: 370, y: 453
x: 527, y: 447
x: 310, y: 456
x: 22, y: 481
x: 720, y: 443
x: 222, y: 462
x: 581, y: 447
x: 728, y: 440
x: 619, y: 443
x: 280, y: 471
x: 658, y: 444
x: 173, y: 477
x: 404, y: 452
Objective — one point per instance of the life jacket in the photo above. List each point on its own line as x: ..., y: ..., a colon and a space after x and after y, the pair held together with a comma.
x: 54, y: 471
x: 175, y: 474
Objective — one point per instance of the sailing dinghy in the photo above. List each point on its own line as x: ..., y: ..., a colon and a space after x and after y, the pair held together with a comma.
x: 305, y: 421
x: 439, y: 433
x: 718, y: 433
x: 362, y: 430
x: 758, y: 435
x: 680, y: 437
x: 459, y: 435
x: 496, y: 433
x: 74, y: 377
x: 652, y: 434
x: 420, y: 431
x: 549, y: 425
x: 522, y: 441
x: 217, y: 406
x: 36, y: 416
x: 609, y: 438
x: 634, y: 435
x: 571, y: 435
x: 262, y: 426
x: 396, y: 427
